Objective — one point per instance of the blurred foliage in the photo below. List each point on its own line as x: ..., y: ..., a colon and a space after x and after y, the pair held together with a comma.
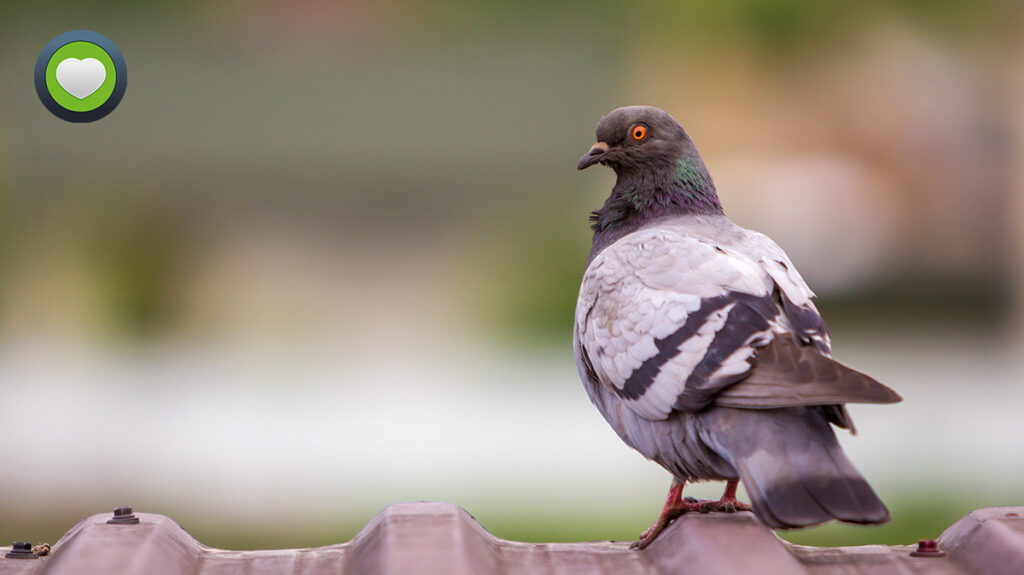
x: 529, y: 291
x: 772, y: 29
x: 527, y: 283
x: 787, y: 28
x: 115, y: 253
x: 918, y: 301
x: 135, y: 254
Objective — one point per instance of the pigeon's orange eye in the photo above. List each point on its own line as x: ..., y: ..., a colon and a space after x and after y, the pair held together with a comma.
x: 639, y: 132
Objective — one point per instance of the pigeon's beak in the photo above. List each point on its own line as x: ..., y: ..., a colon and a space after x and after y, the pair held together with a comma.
x: 597, y: 151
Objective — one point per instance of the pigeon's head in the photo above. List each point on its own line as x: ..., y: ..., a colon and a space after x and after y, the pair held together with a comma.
x: 638, y: 138
x: 658, y: 170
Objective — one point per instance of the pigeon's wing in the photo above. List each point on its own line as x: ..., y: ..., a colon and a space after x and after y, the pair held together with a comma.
x: 787, y: 374
x: 798, y: 370
x: 794, y: 296
x: 665, y: 319
x: 668, y: 321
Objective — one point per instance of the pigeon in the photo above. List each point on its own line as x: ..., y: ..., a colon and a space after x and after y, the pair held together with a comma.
x: 699, y: 343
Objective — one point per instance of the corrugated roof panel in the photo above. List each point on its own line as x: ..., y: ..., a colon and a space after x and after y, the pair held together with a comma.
x: 413, y: 538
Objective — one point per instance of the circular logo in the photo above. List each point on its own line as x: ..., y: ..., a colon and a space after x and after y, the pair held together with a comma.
x: 80, y: 76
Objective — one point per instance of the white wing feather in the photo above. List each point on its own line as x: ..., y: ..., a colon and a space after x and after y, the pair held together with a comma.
x: 643, y: 288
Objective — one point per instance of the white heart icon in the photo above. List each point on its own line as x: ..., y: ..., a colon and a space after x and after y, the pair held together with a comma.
x: 81, y: 77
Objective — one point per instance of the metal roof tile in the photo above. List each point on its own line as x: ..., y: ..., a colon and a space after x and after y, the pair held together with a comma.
x: 414, y: 538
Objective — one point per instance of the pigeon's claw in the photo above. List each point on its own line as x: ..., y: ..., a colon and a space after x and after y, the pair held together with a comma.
x: 723, y: 506
x: 647, y: 537
x: 676, y: 505
x: 669, y: 514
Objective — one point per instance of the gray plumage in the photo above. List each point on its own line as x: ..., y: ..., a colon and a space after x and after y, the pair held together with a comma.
x: 699, y: 343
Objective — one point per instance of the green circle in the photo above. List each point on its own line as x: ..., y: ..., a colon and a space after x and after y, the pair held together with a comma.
x: 80, y: 51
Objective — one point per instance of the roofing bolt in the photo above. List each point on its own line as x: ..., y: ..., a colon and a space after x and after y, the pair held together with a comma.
x: 21, y: 550
x: 927, y: 548
x: 123, y: 516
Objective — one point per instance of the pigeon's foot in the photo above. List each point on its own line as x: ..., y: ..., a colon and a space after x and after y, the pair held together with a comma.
x: 725, y: 506
x: 676, y: 505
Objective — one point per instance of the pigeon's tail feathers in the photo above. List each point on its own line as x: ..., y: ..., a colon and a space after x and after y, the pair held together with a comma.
x: 795, y: 472
x: 824, y: 491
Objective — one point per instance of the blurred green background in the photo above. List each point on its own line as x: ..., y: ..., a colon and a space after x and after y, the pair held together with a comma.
x: 324, y: 255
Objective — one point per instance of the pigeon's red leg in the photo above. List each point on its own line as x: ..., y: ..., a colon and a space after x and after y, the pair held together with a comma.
x: 675, y: 506
x: 728, y: 502
x: 730, y: 490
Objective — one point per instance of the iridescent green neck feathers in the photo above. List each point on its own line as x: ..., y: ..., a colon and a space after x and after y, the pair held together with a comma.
x: 684, y: 187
